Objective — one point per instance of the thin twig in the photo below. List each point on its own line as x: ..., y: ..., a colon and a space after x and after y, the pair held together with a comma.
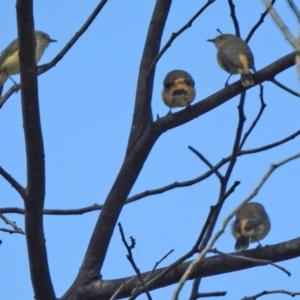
x: 262, y: 107
x: 212, y: 294
x: 276, y: 82
x: 14, y: 183
x: 225, y: 222
x: 260, y: 21
x: 295, y: 9
x: 190, y: 253
x: 12, y: 224
x: 131, y: 260
x: 285, y: 30
x: 234, y: 18
x: 157, y: 263
x: 238, y: 136
x: 176, y: 34
x: 206, y: 161
x: 45, y: 67
x: 74, y: 39
x: 255, y: 260
x: 10, y: 231
x: 116, y: 293
x: 195, y: 289
x: 15, y: 88
x: 254, y: 297
x: 80, y: 211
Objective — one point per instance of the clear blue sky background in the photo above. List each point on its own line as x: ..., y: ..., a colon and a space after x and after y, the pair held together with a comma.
x: 86, y: 105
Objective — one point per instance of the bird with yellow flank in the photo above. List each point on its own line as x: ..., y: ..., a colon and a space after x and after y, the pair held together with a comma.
x: 235, y: 57
x: 9, y: 59
x: 179, y: 89
x: 251, y: 225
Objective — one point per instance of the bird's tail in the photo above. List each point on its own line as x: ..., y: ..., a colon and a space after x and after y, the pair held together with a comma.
x: 247, y: 79
x: 242, y: 243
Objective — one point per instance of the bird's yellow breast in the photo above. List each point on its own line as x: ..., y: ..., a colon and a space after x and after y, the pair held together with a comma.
x: 11, y: 65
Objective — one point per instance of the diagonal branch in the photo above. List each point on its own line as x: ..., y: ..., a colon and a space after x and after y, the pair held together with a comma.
x: 201, y: 156
x: 201, y: 256
x: 45, y: 67
x: 14, y: 183
x: 211, y: 102
x: 179, y: 32
x: 295, y: 9
x: 142, y: 138
x: 16, y: 229
x: 276, y: 82
x: 259, y: 22
x: 209, y: 266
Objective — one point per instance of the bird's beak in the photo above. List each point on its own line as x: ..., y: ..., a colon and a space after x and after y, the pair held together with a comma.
x: 211, y: 40
x: 51, y: 40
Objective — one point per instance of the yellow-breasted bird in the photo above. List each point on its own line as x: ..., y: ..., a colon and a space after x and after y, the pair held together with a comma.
x: 235, y: 56
x: 251, y: 225
x: 179, y: 89
x: 9, y: 59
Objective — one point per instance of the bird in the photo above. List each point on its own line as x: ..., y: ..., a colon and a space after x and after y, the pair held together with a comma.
x: 235, y: 57
x: 179, y: 89
x: 9, y: 59
x: 251, y: 225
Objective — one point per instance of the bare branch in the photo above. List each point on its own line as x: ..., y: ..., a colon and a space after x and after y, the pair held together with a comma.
x: 131, y: 260
x: 15, y: 88
x: 188, y: 272
x: 176, y: 34
x: 212, y: 294
x: 139, y: 196
x: 262, y: 107
x: 234, y: 18
x: 74, y: 39
x: 14, y: 183
x: 285, y: 30
x: 45, y: 67
x: 35, y: 190
x: 258, y: 261
x: 219, y: 175
x: 295, y: 9
x: 285, y: 87
x: 141, y: 140
x: 209, y: 266
x: 260, y: 21
x: 254, y: 297
x: 16, y: 229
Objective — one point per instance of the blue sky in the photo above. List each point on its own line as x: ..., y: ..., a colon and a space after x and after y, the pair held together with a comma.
x: 86, y: 104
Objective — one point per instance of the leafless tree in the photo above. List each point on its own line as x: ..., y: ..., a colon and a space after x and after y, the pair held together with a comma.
x: 145, y: 131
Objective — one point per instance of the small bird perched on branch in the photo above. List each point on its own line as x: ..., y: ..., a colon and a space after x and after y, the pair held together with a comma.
x: 179, y: 89
x: 251, y: 225
x: 235, y: 57
x: 9, y: 59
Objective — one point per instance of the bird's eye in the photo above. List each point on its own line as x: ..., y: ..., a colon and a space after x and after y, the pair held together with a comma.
x: 189, y: 82
x: 168, y: 85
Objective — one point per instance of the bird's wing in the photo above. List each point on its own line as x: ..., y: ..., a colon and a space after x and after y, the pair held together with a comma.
x: 253, y: 222
x: 229, y: 57
x: 9, y: 50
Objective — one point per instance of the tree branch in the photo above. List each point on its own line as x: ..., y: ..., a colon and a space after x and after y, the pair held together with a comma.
x: 35, y: 191
x: 14, y: 183
x: 142, y: 139
x: 209, y: 266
